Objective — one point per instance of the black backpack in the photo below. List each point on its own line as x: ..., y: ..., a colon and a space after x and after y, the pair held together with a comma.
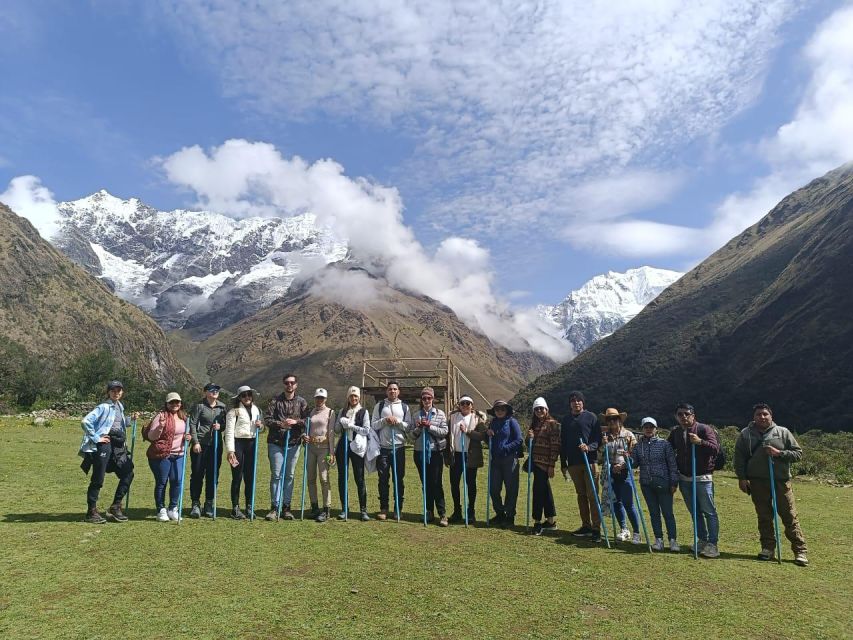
x: 720, y: 460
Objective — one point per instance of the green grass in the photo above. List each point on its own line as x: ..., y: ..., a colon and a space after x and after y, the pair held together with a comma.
x: 62, y: 578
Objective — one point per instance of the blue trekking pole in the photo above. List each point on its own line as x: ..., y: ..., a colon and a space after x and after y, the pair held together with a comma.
x: 610, y: 491
x: 424, y: 470
x: 215, y: 469
x: 346, y: 474
x: 693, y: 498
x: 775, y: 510
x: 595, y: 493
x: 254, y: 475
x: 183, y: 475
x: 529, y: 477
x: 464, y: 479
x: 489, y: 482
x: 305, y: 468
x: 637, y: 501
x: 132, y: 445
x: 394, y: 466
x: 281, y: 475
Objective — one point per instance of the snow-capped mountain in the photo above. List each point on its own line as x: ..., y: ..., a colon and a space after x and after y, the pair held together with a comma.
x: 605, y: 303
x: 192, y: 269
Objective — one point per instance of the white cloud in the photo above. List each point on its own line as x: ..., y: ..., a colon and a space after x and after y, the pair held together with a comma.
x: 244, y: 178
x: 27, y: 197
x: 817, y: 139
x: 508, y: 103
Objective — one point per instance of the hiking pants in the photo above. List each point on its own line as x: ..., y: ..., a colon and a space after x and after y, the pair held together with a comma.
x: 317, y: 464
x: 759, y: 490
x: 244, y: 449
x: 504, y: 476
x: 357, y: 463
x: 100, y: 461
x: 543, y: 497
x: 586, y: 493
x: 385, y: 469
x: 434, y: 485
x: 204, y: 465
x: 470, y: 481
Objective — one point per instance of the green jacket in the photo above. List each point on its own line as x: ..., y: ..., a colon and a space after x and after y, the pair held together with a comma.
x: 201, y: 419
x: 751, y: 459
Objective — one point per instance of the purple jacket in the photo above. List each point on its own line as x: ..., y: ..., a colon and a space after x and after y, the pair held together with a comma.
x: 706, y: 451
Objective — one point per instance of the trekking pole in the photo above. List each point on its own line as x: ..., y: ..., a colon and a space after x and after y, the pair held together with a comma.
x: 637, y: 501
x: 394, y: 467
x: 529, y: 476
x: 775, y: 510
x: 215, y: 469
x: 489, y: 482
x: 255, y: 474
x: 464, y: 479
x: 305, y: 468
x: 693, y: 500
x: 424, y: 470
x: 281, y: 475
x: 346, y: 474
x: 132, y: 445
x: 610, y: 491
x: 183, y: 475
x: 595, y: 493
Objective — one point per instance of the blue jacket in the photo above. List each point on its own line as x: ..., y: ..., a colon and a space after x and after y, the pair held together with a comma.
x: 507, y: 440
x: 98, y: 423
x: 655, y: 458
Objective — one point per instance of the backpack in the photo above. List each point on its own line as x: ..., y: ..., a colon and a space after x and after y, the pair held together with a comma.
x: 720, y: 460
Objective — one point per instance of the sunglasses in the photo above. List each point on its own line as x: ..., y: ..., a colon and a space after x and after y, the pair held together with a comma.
x: 246, y: 394
x: 465, y: 404
x: 682, y: 414
x: 289, y: 382
x: 174, y: 402
x: 539, y: 409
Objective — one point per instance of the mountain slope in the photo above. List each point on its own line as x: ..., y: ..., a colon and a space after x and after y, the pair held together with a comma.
x: 324, y: 332
x: 605, y: 303
x: 54, y: 309
x: 765, y: 318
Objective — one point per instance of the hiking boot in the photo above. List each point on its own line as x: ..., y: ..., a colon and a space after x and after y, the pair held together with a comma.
x: 766, y: 554
x: 456, y: 516
x: 322, y: 516
x: 286, y: 513
x: 272, y: 515
x: 93, y: 516
x: 236, y: 514
x: 364, y: 516
x: 537, y: 528
x: 173, y: 513
x: 700, y: 547
x: 207, y: 512
x: 710, y: 551
x: 195, y: 512
x: 549, y: 526
x: 250, y: 513
x: 581, y: 532
x: 442, y: 522
x: 594, y: 535
x: 162, y: 516
x: 382, y: 515
x: 635, y: 539
x: 315, y: 511
x: 673, y: 545
x: 343, y: 515
x: 507, y: 523
x: 497, y: 519
x: 658, y: 545
x: 801, y: 560
x: 116, y: 512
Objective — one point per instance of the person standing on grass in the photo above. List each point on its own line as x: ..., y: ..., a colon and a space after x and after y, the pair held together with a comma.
x: 466, y: 423
x: 582, y: 425
x: 104, y: 450
x: 431, y: 421
x: 763, y: 438
x: 619, y: 442
x: 321, y: 454
x: 545, y: 432
x: 242, y: 427
x: 286, y: 413
x: 655, y: 458
x: 355, y: 422
x: 206, y: 420
x: 391, y: 419
x: 168, y: 434
x: 683, y: 438
x: 505, y: 442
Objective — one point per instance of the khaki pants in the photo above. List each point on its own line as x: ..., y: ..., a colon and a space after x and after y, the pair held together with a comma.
x: 763, y: 501
x: 317, y: 462
x: 586, y: 494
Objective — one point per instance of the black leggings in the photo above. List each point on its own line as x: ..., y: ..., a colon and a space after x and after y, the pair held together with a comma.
x: 244, y: 449
x: 101, y: 459
x: 357, y: 463
x: 470, y: 480
x: 203, y: 465
x: 543, y: 497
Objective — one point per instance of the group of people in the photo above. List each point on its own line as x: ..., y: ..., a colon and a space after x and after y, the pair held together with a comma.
x: 375, y: 441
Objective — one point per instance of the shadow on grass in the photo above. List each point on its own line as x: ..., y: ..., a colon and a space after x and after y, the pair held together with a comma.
x: 75, y: 516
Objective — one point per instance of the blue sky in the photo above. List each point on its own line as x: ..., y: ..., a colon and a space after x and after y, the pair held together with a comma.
x: 564, y: 138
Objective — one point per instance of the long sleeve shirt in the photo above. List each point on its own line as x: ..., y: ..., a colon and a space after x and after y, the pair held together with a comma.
x: 386, y: 431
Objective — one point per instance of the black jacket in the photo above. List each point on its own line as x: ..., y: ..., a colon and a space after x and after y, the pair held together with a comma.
x: 574, y: 428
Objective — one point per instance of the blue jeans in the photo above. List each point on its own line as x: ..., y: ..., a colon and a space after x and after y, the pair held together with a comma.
x: 623, y: 503
x: 707, y: 523
x: 660, y: 501
x: 276, y: 456
x: 167, y: 470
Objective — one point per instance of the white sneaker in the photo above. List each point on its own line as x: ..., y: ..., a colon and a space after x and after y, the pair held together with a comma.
x: 636, y: 539
x: 624, y: 535
x: 673, y: 545
x: 162, y: 516
x: 658, y: 545
x: 710, y: 551
x: 173, y: 514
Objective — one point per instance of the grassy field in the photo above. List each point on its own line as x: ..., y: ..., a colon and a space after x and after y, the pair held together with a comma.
x: 62, y: 578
